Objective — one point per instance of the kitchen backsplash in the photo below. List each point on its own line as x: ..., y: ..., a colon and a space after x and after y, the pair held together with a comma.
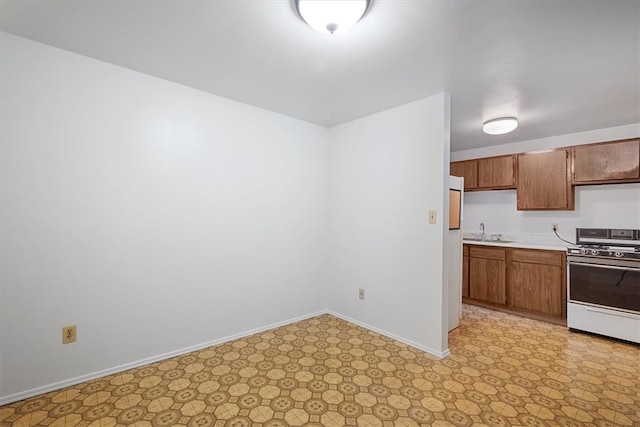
x: 597, y: 206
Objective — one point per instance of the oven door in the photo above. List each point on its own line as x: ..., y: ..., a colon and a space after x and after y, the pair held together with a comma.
x: 609, y: 283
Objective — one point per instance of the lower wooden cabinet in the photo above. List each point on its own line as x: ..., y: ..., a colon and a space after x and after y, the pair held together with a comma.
x: 534, y: 287
x: 487, y: 274
x: 526, y: 281
x: 536, y: 280
x: 465, y: 271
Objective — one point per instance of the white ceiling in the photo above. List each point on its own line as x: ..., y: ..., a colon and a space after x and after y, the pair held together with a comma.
x: 560, y: 66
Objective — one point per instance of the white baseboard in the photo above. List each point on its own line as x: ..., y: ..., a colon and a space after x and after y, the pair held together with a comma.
x: 4, y: 400
x: 438, y: 354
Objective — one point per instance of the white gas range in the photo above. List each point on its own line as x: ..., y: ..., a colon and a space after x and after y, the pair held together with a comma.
x: 604, y: 283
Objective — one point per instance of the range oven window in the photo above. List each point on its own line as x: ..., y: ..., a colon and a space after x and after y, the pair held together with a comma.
x: 608, y: 286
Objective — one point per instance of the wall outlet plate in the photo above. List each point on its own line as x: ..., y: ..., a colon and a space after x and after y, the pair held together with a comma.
x: 68, y: 334
x: 555, y: 227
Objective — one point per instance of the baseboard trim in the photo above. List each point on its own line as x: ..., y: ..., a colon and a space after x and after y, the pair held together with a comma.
x: 438, y: 354
x: 4, y: 400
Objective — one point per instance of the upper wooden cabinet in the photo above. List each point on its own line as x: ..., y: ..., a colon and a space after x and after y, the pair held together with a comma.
x: 544, y: 181
x: 491, y: 173
x: 468, y: 169
x: 497, y: 172
x: 609, y: 162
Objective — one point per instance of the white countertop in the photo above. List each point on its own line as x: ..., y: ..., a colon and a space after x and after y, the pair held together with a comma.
x: 523, y: 245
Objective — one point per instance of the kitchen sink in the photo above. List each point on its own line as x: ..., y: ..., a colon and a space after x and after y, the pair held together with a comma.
x: 492, y: 238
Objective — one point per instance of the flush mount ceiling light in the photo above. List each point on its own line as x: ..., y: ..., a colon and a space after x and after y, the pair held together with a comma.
x: 331, y: 16
x: 500, y: 126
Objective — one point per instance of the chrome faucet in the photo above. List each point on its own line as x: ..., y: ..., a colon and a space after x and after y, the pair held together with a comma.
x: 482, y: 228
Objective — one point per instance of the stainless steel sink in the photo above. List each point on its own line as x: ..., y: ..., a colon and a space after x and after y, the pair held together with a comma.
x: 492, y: 238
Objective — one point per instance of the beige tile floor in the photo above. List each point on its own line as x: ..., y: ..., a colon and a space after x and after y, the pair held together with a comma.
x: 503, y: 370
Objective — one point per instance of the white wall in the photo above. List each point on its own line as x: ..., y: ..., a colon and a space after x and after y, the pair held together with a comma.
x: 387, y: 171
x: 152, y: 215
x: 599, y: 206
x: 605, y: 206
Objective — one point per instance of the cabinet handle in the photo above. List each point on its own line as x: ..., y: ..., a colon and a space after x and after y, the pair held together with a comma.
x: 631, y: 266
x: 617, y: 313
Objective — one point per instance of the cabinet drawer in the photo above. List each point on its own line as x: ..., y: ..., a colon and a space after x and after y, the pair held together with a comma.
x: 487, y: 252
x: 537, y: 256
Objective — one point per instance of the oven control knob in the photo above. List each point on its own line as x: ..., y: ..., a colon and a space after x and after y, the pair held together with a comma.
x: 584, y: 251
x: 594, y: 252
x: 619, y: 254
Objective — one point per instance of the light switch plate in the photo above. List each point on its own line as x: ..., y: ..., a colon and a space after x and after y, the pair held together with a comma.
x: 433, y: 217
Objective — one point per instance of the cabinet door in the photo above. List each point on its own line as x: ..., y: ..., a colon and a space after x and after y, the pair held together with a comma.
x: 487, y: 280
x: 544, y: 181
x: 465, y: 276
x: 536, y: 287
x: 497, y: 172
x: 468, y: 169
x: 606, y: 163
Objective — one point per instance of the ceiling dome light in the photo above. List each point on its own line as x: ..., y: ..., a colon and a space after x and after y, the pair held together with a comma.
x: 500, y: 126
x: 331, y: 16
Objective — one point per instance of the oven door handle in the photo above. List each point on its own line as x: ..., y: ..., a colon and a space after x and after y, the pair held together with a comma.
x: 617, y: 313
x: 610, y: 267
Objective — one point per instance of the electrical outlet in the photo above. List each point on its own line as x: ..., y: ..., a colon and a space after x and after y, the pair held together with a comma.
x: 361, y: 293
x: 555, y: 227
x: 68, y: 334
x: 433, y: 217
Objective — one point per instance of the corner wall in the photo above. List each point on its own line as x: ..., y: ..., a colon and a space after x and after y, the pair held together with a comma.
x: 387, y: 171
x: 158, y: 218
x: 152, y: 215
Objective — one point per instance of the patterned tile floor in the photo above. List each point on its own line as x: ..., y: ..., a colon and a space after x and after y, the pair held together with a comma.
x: 503, y: 370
